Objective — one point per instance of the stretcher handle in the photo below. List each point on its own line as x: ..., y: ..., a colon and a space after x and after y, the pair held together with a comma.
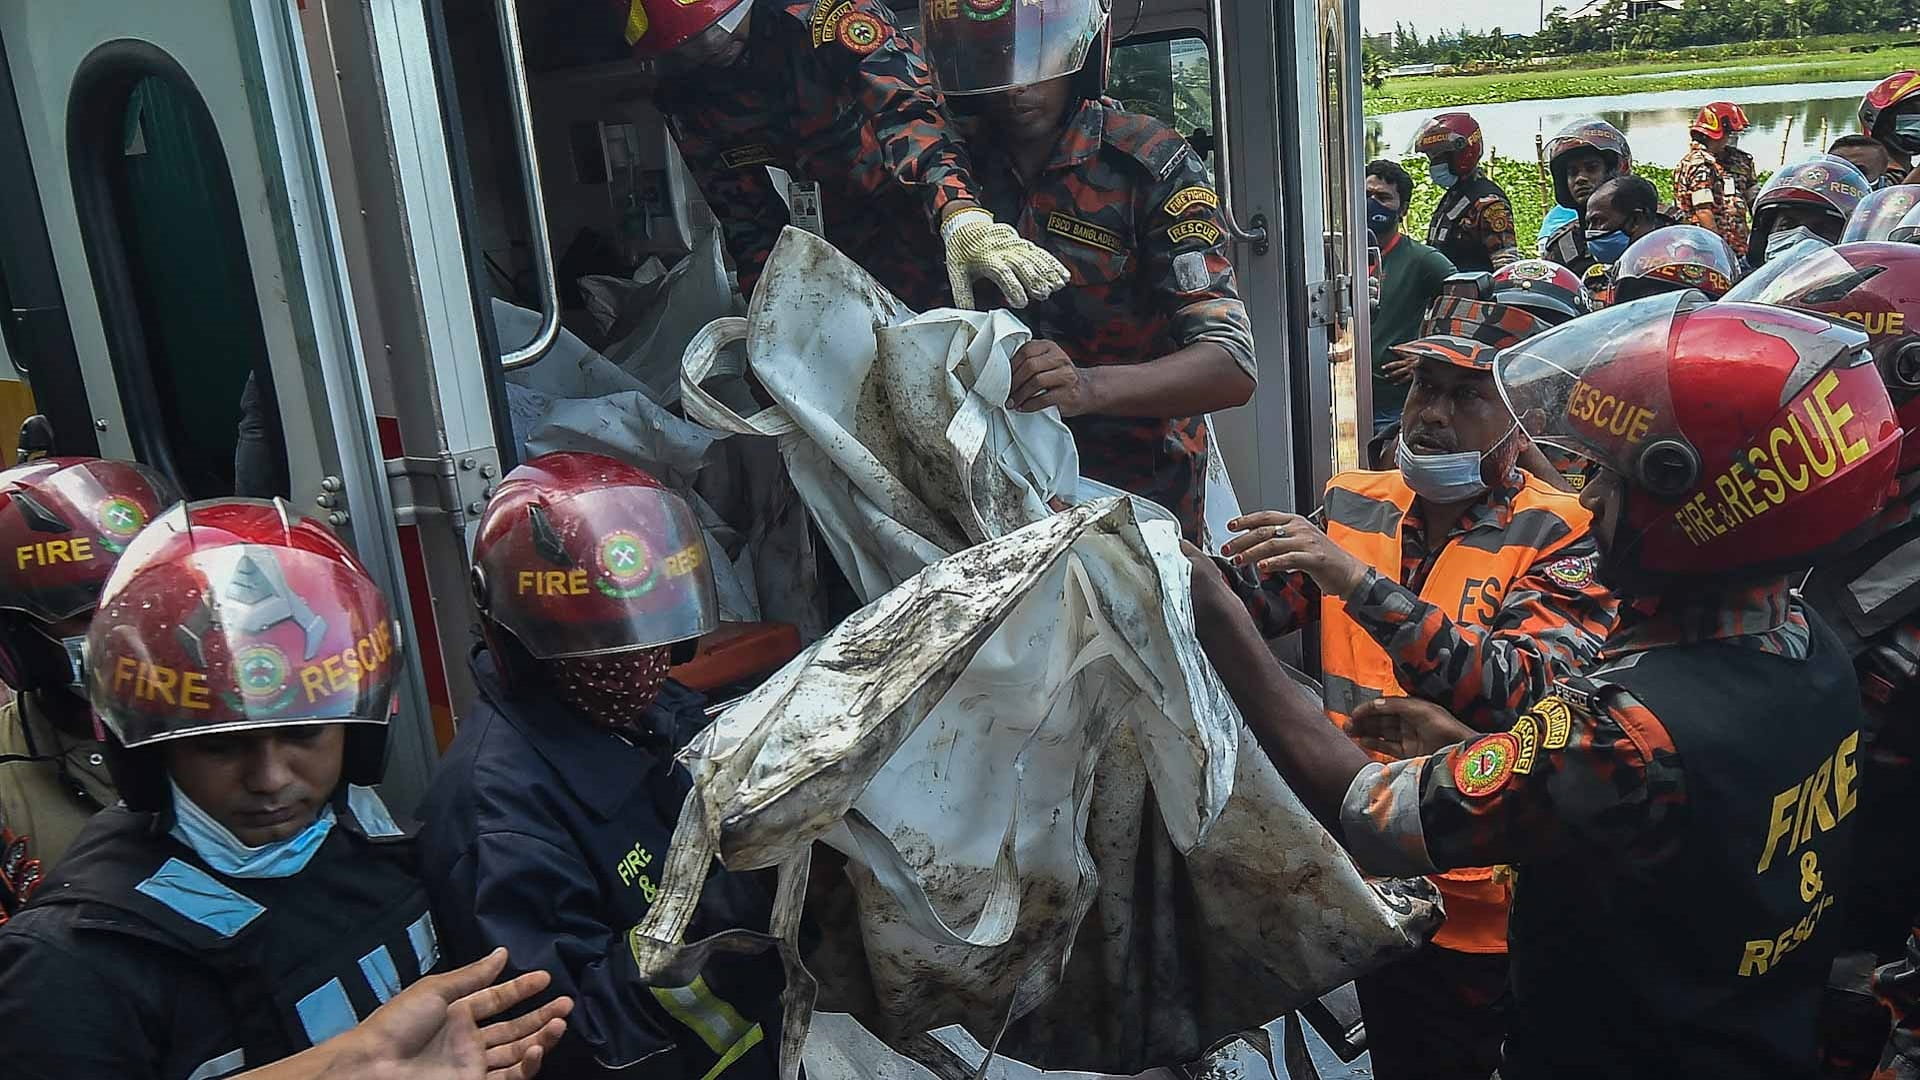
x: 706, y: 357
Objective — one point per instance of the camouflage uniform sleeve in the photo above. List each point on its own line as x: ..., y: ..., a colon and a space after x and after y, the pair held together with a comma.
x: 1696, y: 188
x: 891, y: 81
x: 1550, y: 623
x: 1565, y: 777
x: 1897, y: 985
x: 1186, y: 262
x: 1496, y: 230
x: 1279, y: 604
x: 736, y: 185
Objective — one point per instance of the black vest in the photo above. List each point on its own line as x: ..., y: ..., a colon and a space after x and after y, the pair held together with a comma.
x: 301, y: 958
x: 1462, y: 246
x: 1568, y: 247
x: 1710, y: 963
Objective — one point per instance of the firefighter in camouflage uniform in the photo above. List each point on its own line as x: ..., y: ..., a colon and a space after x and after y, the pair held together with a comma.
x: 1473, y: 223
x: 1584, y: 155
x: 1706, y: 188
x: 834, y: 94
x: 1150, y: 334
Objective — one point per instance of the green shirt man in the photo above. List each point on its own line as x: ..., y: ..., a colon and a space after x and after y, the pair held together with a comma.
x: 1410, y: 275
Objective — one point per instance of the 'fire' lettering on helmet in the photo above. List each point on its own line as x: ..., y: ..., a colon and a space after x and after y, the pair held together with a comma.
x: 551, y: 582
x: 53, y: 552
x: 349, y: 667
x: 1813, y: 442
x: 160, y: 684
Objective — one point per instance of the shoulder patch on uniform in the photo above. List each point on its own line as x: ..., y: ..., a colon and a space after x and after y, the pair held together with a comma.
x: 824, y: 23
x: 1486, y: 764
x: 1189, y: 197
x: 860, y: 32
x: 1574, y: 571
x: 1526, y: 732
x: 1554, y: 718
x: 743, y: 157
x: 1195, y: 229
x: 1190, y: 272
x: 1086, y: 232
x: 1497, y: 216
x: 1174, y: 160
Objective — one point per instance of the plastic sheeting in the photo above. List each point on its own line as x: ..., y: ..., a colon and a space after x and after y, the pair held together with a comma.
x: 1015, y: 736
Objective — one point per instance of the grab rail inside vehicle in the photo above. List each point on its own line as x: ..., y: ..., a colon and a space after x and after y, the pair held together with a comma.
x: 542, y: 244
x: 1223, y: 141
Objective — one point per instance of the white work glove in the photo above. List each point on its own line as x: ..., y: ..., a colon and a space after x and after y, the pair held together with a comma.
x: 980, y: 247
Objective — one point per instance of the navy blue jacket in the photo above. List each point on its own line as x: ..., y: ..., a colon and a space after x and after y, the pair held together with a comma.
x: 547, y: 834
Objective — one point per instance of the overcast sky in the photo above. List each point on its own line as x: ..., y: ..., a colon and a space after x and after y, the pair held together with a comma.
x: 1513, y: 16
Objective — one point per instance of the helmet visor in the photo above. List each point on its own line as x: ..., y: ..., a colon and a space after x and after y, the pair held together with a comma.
x: 1880, y: 213
x: 1908, y: 231
x: 981, y: 46
x: 601, y: 570
x: 240, y: 637
x: 1810, y: 272
x: 1597, y: 387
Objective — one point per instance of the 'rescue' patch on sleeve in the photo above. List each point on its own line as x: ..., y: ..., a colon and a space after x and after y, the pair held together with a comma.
x: 745, y: 157
x: 823, y: 25
x: 1199, y: 229
x: 1189, y: 197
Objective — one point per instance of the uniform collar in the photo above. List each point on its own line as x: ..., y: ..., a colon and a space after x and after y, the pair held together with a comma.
x: 1080, y: 139
x: 1493, y: 509
x: 601, y: 769
x: 1755, y: 613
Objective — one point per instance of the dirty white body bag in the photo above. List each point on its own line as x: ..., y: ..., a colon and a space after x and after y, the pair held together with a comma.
x: 1017, y: 730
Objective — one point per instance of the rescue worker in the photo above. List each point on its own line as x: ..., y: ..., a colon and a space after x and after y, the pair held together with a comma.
x: 1410, y: 274
x: 251, y: 896
x: 1890, y: 112
x: 1151, y: 335
x: 1706, y: 191
x: 1619, y: 212
x: 1473, y: 223
x: 547, y: 825
x: 63, y: 524
x: 1876, y: 287
x: 1584, y: 155
x: 1458, y: 580
x: 1674, y: 259
x: 1678, y: 817
x: 1807, y: 200
x: 1869, y: 155
x: 1738, y: 163
x: 1880, y: 213
x: 834, y: 94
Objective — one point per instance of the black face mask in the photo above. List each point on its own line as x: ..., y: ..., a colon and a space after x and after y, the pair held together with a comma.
x: 1382, y: 220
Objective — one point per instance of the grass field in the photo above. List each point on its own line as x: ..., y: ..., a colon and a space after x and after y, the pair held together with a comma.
x: 1530, y: 192
x: 1832, y: 65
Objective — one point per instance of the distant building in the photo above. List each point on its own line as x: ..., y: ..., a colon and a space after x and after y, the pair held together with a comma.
x: 1634, y: 8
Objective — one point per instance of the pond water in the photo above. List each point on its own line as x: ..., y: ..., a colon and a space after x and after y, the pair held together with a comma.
x: 1788, y: 122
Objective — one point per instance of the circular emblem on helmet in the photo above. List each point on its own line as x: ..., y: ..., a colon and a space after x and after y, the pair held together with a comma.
x: 1812, y: 178
x: 984, y: 10
x: 1485, y: 766
x: 120, y: 518
x: 261, y: 673
x: 1529, y: 270
x: 862, y: 33
x: 626, y: 569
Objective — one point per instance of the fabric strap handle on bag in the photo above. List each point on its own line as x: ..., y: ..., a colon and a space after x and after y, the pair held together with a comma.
x: 706, y: 357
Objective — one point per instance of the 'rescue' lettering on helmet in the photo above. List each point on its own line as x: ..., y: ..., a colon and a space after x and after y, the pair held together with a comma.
x: 349, y: 667
x: 1878, y: 323
x: 53, y: 552
x: 1812, y: 442
x: 1610, y: 418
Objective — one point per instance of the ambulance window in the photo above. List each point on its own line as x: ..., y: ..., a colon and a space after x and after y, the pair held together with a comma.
x: 1166, y: 78
x: 163, y: 236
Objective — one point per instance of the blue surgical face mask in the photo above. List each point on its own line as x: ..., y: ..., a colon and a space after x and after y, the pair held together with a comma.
x: 224, y: 852
x: 1445, y: 478
x: 1442, y: 173
x: 1382, y: 219
x: 1608, y: 246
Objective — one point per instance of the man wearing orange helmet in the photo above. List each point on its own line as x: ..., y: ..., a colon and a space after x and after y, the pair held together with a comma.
x: 1890, y: 112
x: 63, y: 524
x: 832, y: 92
x: 547, y: 826
x: 1473, y: 223
x: 1678, y: 817
x: 1708, y: 193
x: 251, y: 896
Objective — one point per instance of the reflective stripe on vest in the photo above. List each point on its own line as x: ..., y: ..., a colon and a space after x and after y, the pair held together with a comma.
x: 193, y: 894
x: 1467, y: 582
x: 718, y: 1024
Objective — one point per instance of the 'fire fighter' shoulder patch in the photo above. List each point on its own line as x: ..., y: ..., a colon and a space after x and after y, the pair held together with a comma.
x: 1189, y: 197
x: 1195, y: 229
x: 1486, y: 765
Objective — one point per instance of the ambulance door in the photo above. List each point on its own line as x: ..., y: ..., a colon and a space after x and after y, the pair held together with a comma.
x: 196, y: 249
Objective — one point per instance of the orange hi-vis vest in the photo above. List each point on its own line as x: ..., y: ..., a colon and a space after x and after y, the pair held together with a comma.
x: 1468, y: 581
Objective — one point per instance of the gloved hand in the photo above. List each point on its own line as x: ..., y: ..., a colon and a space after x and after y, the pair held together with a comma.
x: 980, y: 247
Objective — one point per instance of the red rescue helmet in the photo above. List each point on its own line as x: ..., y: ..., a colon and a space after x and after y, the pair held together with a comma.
x: 1827, y: 183
x: 1746, y: 438
x: 1880, y: 213
x: 582, y: 555
x: 1719, y: 119
x: 657, y: 27
x: 1897, y: 95
x: 236, y: 615
x: 63, y: 524
x: 1546, y: 289
x: 1591, y: 134
x: 1453, y: 139
x: 1874, y: 287
x: 1672, y: 258
x: 1908, y: 231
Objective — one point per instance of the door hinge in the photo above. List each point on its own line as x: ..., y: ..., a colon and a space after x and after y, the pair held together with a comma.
x: 453, y: 486
x: 1330, y: 303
